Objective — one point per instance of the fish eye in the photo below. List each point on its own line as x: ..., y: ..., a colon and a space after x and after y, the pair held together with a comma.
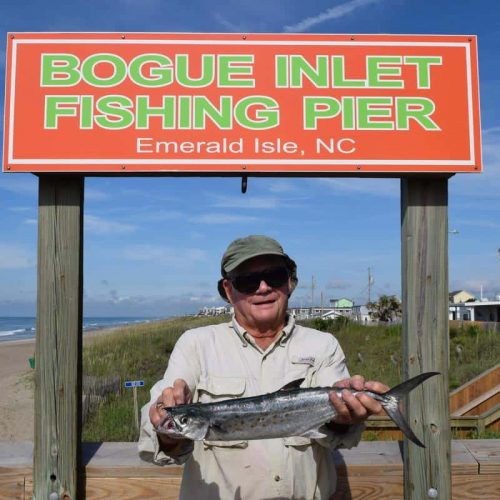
x: 183, y: 420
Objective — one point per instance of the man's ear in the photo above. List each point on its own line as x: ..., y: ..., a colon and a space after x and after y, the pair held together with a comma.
x: 228, y: 288
x: 290, y: 286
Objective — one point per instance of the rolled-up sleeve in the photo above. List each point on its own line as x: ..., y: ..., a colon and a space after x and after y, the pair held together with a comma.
x: 183, y: 364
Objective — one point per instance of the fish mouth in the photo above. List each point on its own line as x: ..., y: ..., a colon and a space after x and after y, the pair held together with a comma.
x: 168, y: 426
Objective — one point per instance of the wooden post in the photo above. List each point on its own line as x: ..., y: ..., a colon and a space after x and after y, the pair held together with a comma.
x: 136, y: 409
x: 424, y: 238
x: 58, y: 338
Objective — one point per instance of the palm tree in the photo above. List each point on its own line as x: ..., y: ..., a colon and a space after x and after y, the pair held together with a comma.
x: 387, y: 308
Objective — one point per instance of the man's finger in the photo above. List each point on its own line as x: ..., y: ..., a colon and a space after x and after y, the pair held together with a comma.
x: 343, y: 415
x: 181, y: 392
x: 371, y: 405
x: 167, y: 397
x: 374, y: 386
x: 357, y: 382
x: 155, y: 415
x: 357, y: 410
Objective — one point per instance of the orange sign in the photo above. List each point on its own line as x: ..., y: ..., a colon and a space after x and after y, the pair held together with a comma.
x: 214, y: 103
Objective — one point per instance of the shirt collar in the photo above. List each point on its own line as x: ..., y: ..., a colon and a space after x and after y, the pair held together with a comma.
x: 246, y: 338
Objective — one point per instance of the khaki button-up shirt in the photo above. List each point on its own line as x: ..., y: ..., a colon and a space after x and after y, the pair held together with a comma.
x: 221, y: 362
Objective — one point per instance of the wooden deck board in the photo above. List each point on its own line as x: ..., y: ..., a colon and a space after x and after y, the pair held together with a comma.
x: 487, y: 454
x: 114, y: 470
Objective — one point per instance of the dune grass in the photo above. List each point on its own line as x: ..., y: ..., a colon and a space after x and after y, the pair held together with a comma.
x: 375, y: 351
x: 137, y: 352
x: 141, y: 352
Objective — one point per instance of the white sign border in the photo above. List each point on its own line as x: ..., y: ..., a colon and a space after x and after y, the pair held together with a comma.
x: 241, y: 161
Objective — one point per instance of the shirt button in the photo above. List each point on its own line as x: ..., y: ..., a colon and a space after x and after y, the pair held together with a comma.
x: 277, y: 478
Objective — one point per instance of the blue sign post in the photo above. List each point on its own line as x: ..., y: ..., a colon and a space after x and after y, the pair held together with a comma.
x: 134, y: 384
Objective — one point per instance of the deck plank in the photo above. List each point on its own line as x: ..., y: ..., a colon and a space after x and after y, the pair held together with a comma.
x: 487, y: 454
x: 114, y: 470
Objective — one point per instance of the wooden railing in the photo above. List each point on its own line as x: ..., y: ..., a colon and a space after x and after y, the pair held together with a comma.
x: 372, y: 470
x: 478, y: 395
x: 382, y: 427
x: 474, y: 406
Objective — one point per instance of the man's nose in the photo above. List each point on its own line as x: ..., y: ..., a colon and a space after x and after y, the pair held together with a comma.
x: 263, y: 287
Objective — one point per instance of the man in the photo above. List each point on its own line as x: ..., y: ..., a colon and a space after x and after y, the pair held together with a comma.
x: 259, y: 351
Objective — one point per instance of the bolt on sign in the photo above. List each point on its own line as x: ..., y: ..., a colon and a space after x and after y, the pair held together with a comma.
x: 219, y: 103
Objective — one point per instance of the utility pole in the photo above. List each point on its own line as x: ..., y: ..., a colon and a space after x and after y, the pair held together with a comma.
x: 313, y: 286
x: 370, y: 282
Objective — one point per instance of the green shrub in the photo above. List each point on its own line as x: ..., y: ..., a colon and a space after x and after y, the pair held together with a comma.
x: 141, y: 352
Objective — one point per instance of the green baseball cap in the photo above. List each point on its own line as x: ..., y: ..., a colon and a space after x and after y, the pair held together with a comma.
x: 242, y: 249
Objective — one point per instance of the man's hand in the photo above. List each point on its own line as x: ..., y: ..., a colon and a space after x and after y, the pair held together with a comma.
x: 171, y: 396
x: 356, y: 409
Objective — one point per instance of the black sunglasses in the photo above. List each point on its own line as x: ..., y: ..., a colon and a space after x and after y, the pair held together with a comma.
x: 250, y: 282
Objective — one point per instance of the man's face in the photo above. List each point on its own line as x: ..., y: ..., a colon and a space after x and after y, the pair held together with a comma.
x: 265, y: 307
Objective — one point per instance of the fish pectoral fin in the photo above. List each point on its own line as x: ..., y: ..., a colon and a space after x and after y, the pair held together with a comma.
x: 294, y: 384
x: 314, y: 434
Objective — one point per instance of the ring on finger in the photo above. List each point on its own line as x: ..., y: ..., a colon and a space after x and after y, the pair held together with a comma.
x: 159, y: 405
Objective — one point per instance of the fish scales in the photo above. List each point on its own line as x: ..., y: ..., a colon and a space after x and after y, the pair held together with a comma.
x: 260, y: 418
x: 291, y: 411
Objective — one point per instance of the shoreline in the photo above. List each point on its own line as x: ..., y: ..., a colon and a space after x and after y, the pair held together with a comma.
x: 15, y: 342
x: 16, y: 387
x: 90, y: 325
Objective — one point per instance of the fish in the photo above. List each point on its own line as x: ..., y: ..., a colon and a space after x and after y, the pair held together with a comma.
x: 290, y: 411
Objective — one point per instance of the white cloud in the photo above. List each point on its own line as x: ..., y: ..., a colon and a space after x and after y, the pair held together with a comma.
x: 480, y: 222
x: 160, y: 306
x: 162, y: 254
x: 22, y: 184
x: 474, y: 286
x: 491, y: 144
x: 487, y: 183
x: 15, y: 257
x: 20, y: 209
x: 228, y: 25
x: 246, y: 201
x: 95, y: 195
x: 156, y: 215
x: 334, y: 13
x: 223, y: 219
x: 491, y: 131
x: 99, y: 225
x: 377, y: 187
x: 282, y: 186
x: 337, y: 284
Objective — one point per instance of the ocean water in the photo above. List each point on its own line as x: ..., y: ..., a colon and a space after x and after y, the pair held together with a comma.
x: 22, y: 328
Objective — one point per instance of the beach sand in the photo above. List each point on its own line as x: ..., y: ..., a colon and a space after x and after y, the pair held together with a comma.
x: 16, y: 388
x: 16, y: 391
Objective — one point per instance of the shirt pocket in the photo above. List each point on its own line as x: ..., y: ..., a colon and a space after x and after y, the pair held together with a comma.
x: 301, y: 367
x: 211, y: 389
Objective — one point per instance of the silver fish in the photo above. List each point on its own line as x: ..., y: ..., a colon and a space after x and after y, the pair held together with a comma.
x: 291, y: 411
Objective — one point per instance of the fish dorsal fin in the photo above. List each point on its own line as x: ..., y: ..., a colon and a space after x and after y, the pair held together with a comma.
x: 294, y: 384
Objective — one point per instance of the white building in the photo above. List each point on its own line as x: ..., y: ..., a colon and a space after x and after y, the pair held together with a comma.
x: 215, y: 311
x: 361, y: 314
x: 479, y: 310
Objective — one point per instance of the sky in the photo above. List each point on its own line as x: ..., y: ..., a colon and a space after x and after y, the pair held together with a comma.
x: 152, y: 245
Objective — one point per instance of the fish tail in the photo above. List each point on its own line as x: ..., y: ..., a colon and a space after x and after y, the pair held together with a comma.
x: 390, y: 401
